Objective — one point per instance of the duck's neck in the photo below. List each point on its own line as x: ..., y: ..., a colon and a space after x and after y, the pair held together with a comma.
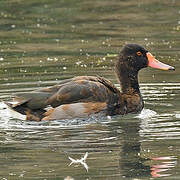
x: 128, y: 80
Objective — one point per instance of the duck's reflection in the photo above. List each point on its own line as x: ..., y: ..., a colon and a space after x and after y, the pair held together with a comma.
x: 131, y: 164
x: 163, y: 164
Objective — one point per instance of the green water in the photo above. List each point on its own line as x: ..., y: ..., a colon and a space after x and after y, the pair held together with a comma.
x: 43, y: 42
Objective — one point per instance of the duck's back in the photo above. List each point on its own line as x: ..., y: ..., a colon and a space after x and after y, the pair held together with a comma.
x: 78, y: 89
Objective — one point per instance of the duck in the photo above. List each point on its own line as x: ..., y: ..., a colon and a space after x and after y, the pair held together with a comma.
x: 83, y: 96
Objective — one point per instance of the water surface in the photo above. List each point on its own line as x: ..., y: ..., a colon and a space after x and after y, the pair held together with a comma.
x: 43, y: 42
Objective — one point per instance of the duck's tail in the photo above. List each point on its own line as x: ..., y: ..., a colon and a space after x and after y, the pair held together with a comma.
x: 31, y: 115
x: 20, y: 108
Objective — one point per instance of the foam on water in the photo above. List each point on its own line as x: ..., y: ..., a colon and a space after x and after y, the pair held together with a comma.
x: 7, y: 113
x: 146, y: 113
x: 177, y: 116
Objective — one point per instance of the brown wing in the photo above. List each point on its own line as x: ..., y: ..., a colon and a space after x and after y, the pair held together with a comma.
x: 78, y: 89
x: 84, y: 89
x: 38, y: 99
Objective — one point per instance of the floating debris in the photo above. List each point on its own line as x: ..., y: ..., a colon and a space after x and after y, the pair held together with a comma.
x: 52, y: 59
x: 112, y: 55
x: 68, y: 178
x: 81, y: 161
x: 13, y: 25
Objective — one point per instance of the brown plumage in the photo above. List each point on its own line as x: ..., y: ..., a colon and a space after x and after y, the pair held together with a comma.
x: 84, y: 95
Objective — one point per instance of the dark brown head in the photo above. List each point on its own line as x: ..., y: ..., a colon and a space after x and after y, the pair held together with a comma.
x: 134, y: 57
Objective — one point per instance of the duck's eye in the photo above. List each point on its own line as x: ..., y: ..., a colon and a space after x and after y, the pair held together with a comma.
x: 139, y: 53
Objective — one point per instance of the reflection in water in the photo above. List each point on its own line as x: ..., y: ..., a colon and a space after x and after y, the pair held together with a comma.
x: 167, y: 163
x: 131, y: 164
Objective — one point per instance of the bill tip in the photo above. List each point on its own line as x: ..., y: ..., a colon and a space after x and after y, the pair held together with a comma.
x: 171, y: 68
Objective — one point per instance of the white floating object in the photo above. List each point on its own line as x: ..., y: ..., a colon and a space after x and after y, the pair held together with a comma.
x: 81, y: 161
x: 146, y: 113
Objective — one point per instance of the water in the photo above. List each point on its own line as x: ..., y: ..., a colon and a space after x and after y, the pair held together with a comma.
x: 43, y: 42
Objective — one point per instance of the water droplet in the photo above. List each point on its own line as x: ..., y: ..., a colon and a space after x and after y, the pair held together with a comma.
x: 13, y: 25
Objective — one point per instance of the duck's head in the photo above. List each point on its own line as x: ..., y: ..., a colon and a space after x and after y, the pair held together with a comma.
x: 134, y: 57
